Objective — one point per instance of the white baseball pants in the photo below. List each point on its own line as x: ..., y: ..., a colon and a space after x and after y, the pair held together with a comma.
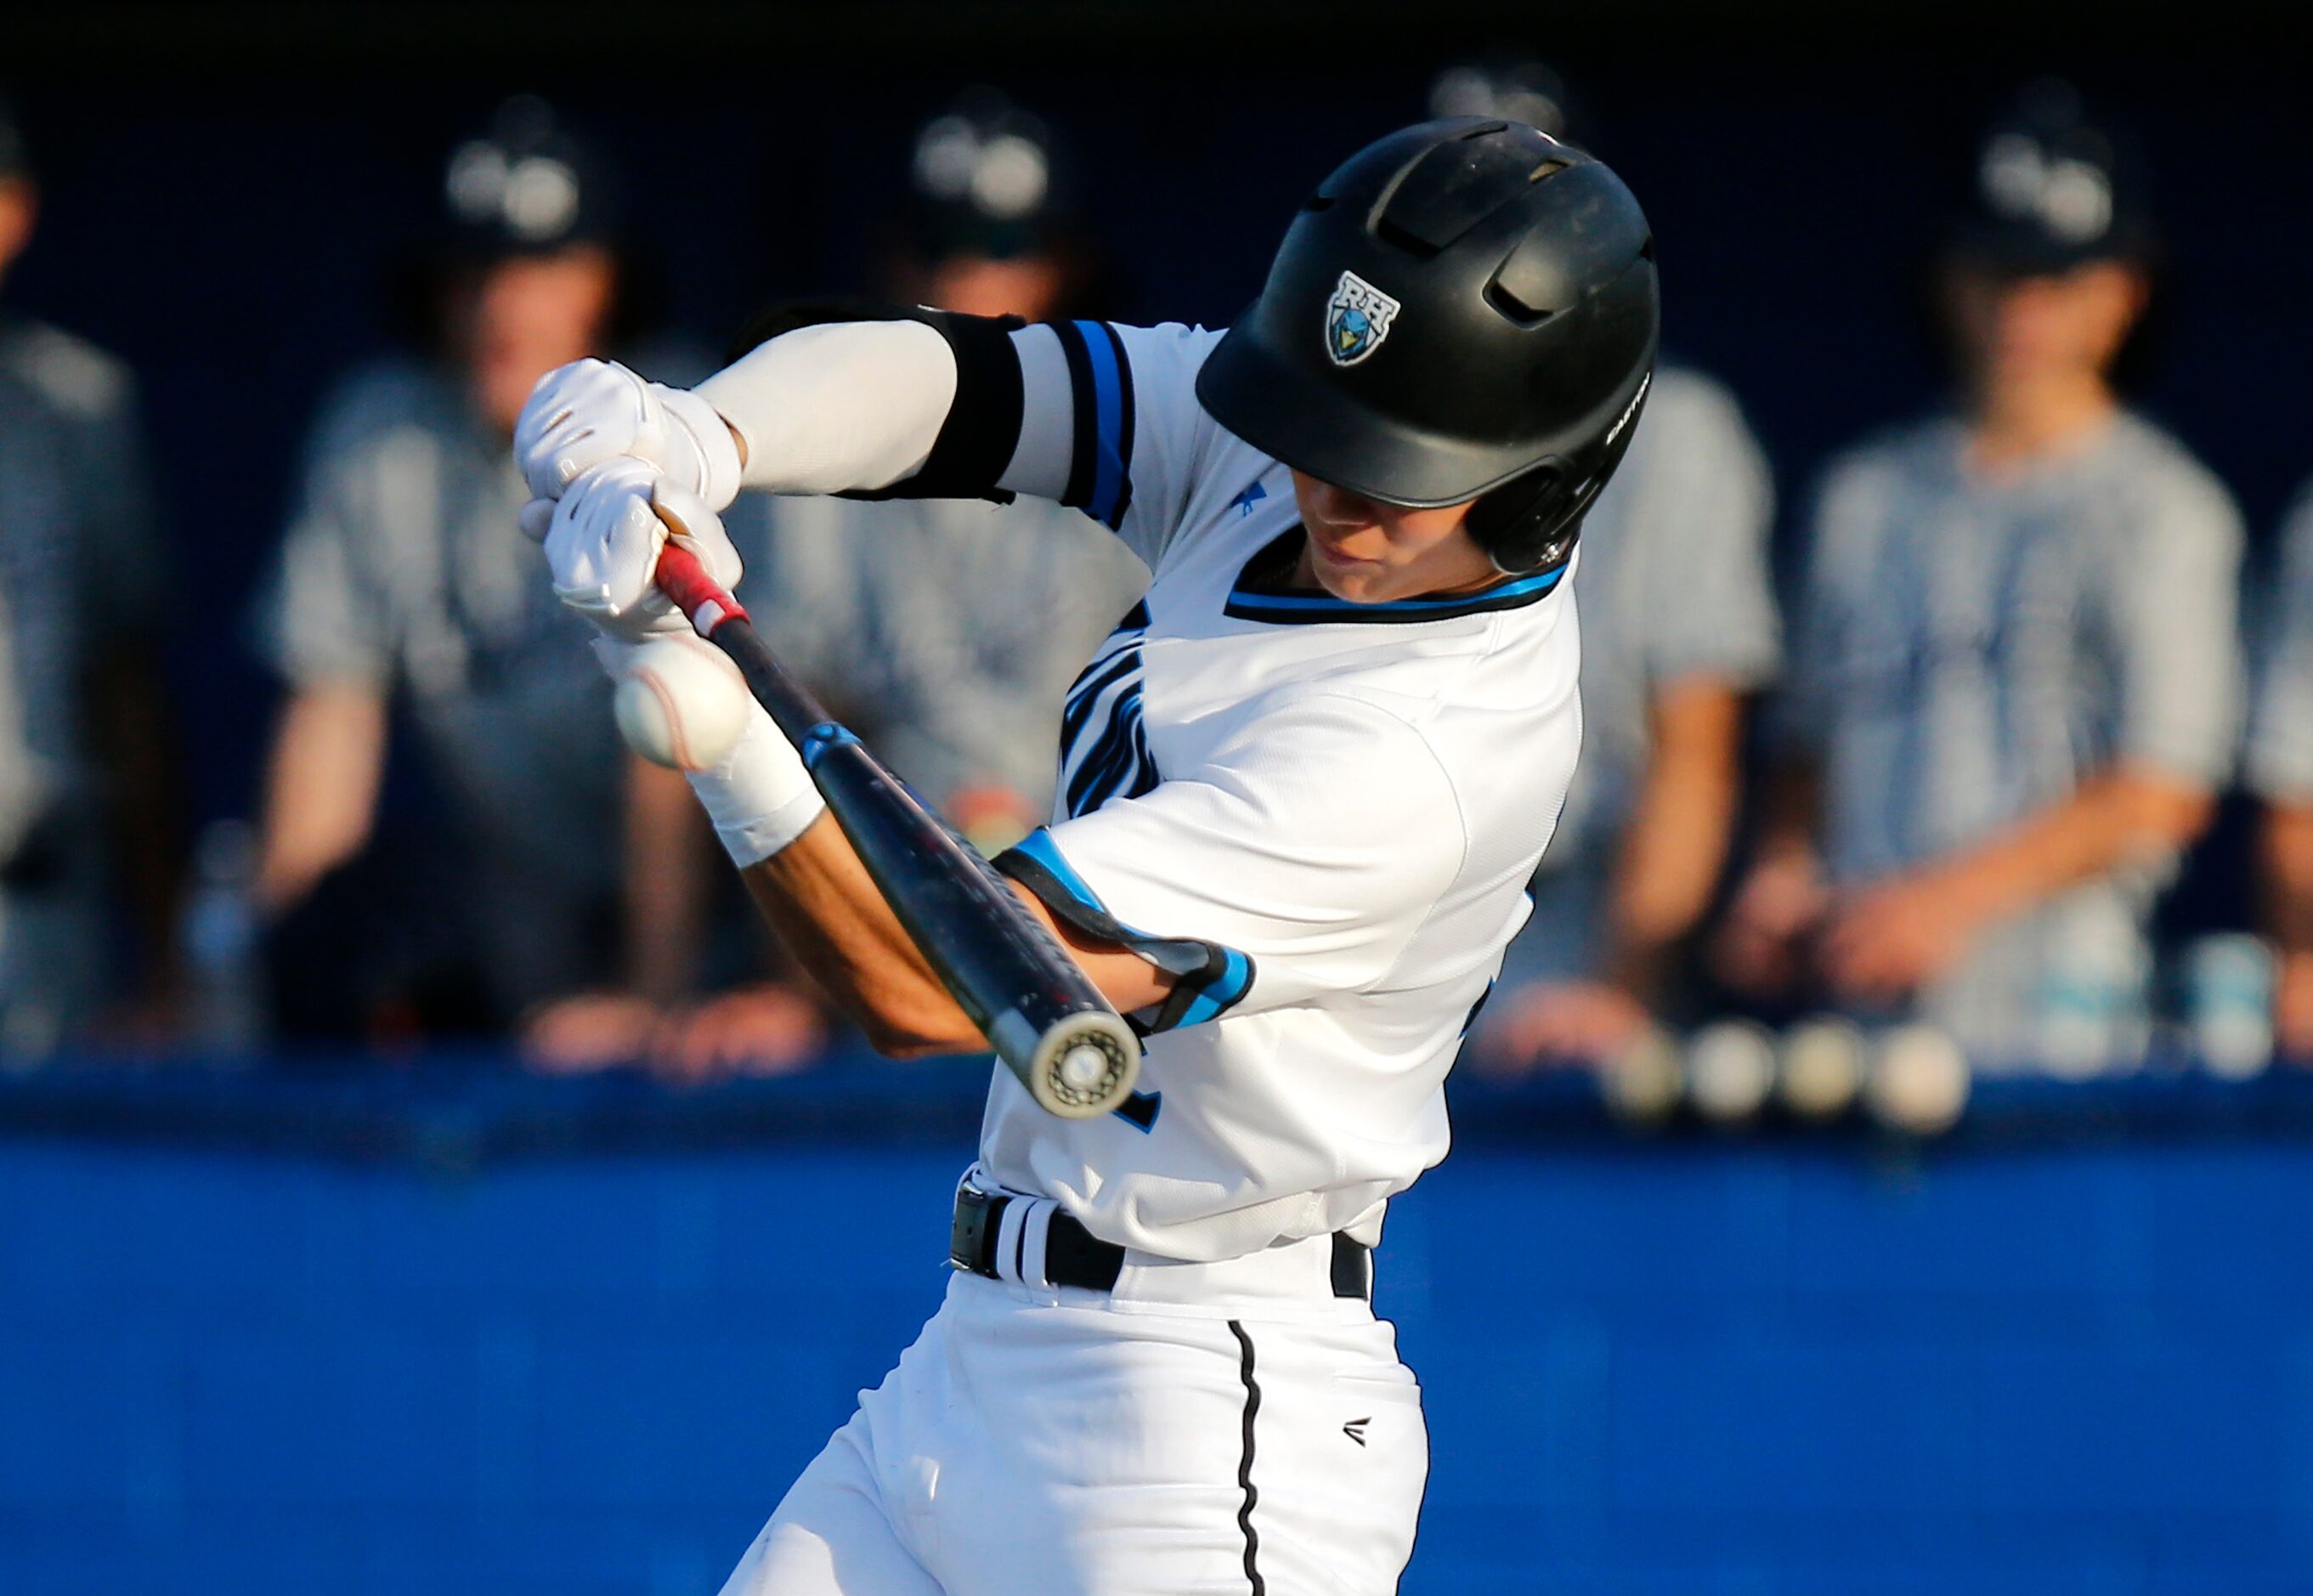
x: 1038, y: 1442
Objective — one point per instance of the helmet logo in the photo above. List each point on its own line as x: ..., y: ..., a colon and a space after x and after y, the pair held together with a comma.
x: 1358, y: 317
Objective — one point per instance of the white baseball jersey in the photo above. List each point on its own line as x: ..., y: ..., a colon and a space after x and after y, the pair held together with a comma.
x: 1321, y: 816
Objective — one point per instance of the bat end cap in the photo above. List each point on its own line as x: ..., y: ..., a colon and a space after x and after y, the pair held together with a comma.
x: 1084, y: 1066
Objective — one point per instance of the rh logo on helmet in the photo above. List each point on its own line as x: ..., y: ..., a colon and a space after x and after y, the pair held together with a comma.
x: 1358, y: 317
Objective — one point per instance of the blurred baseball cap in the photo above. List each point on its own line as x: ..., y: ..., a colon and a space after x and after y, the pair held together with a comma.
x: 1505, y: 85
x: 986, y: 181
x: 2050, y: 189
x: 526, y: 185
x: 15, y: 160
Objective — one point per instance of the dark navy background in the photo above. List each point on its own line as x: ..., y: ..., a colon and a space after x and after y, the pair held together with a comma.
x: 228, y: 227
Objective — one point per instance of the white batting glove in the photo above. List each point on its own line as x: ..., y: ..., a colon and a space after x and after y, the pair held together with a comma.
x: 602, y: 543
x: 603, y: 550
x: 590, y: 411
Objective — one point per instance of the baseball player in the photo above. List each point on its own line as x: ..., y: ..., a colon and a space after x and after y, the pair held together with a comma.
x: 89, y: 797
x: 2014, y: 686
x: 2279, y: 769
x: 952, y: 627
x: 401, y: 576
x: 1302, y: 786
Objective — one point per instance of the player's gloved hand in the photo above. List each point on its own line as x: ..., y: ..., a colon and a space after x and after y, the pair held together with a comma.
x: 602, y: 543
x: 603, y: 551
x: 589, y: 411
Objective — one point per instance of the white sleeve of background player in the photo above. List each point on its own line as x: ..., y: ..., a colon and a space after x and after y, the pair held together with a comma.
x: 1110, y: 424
x: 1299, y: 860
x: 837, y: 407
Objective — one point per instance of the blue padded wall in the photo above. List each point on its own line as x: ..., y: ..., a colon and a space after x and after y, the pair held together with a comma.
x: 1694, y: 1367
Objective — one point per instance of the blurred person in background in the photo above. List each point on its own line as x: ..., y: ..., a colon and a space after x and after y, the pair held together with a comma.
x: 1678, y: 629
x: 952, y: 628
x: 90, y: 788
x: 946, y: 631
x: 405, y: 581
x: 2279, y: 769
x: 2013, y: 689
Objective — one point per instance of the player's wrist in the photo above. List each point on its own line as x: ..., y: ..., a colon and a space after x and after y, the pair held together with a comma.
x: 713, y: 450
x: 679, y: 703
x: 758, y: 798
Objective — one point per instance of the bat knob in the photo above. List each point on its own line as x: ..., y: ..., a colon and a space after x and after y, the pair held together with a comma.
x: 1084, y: 1066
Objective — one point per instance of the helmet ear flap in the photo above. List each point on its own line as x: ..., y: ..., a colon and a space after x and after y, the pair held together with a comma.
x: 1530, y: 523
x: 1523, y: 525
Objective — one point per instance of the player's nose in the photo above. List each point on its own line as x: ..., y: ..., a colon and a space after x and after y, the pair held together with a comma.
x: 1338, y: 507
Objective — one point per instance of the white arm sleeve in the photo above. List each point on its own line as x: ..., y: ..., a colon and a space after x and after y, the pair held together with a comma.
x: 1100, y: 417
x: 838, y: 406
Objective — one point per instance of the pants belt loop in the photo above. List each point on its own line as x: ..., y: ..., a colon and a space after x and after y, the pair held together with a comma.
x: 1008, y: 1236
x: 1035, y: 1234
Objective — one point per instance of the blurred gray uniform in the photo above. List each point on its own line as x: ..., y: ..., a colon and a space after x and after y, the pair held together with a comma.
x: 1967, y: 651
x: 1673, y: 582
x: 951, y: 628
x: 404, y: 568
x: 2280, y: 760
x: 79, y: 560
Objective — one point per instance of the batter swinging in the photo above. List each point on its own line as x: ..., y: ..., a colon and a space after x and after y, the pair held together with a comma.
x: 1302, y: 786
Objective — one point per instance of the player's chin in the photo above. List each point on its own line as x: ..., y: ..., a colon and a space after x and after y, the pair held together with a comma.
x: 1356, y: 581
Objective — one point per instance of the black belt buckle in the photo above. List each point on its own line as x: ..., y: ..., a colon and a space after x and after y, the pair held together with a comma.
x: 970, y: 1236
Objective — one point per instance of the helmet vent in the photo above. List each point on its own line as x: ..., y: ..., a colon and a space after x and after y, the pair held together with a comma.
x: 1318, y: 202
x: 1546, y: 168
x: 1391, y: 233
x: 1507, y: 304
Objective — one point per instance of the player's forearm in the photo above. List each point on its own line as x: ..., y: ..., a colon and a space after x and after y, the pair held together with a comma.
x: 841, y: 406
x: 2121, y: 815
x: 1677, y: 840
x: 2287, y: 850
x: 321, y: 788
x: 664, y: 888
x: 819, y: 899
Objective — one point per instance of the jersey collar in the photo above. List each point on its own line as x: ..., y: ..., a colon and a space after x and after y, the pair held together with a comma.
x: 1262, y: 593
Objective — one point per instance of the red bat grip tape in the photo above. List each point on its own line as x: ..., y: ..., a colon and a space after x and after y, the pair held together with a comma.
x: 682, y: 578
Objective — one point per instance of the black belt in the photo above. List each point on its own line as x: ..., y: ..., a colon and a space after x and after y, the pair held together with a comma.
x: 1074, y: 1256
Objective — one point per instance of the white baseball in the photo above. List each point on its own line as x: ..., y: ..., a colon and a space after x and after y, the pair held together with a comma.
x: 1917, y: 1080
x: 682, y: 703
x: 1730, y: 1068
x: 1822, y: 1068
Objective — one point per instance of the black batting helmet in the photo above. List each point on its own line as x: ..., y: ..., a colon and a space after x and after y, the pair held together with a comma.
x: 1466, y: 311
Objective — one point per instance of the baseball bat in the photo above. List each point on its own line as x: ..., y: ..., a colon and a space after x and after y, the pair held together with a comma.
x: 1038, y: 1009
